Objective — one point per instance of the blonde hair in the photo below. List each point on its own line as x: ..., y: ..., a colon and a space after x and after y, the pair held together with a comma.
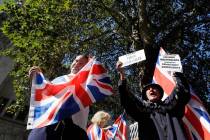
x: 100, y: 116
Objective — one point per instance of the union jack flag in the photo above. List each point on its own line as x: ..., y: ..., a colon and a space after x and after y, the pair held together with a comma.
x: 64, y: 96
x: 196, y: 119
x: 118, y: 131
x: 94, y: 132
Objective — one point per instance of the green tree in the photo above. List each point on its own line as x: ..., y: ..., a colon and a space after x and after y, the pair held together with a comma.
x: 50, y: 33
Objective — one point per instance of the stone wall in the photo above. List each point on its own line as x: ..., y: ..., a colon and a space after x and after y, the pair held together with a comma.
x: 12, y: 130
x: 12, y: 127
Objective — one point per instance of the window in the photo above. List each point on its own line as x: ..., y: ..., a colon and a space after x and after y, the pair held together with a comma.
x: 3, y: 103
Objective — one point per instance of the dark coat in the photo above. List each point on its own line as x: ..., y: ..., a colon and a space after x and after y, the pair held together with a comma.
x: 157, y: 121
x: 66, y: 130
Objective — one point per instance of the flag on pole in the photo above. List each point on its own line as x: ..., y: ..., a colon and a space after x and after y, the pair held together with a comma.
x: 54, y: 101
x: 196, y: 119
x: 118, y: 131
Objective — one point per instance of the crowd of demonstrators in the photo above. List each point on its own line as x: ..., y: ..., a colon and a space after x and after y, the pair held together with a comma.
x: 157, y: 119
x: 99, y: 124
x: 72, y: 127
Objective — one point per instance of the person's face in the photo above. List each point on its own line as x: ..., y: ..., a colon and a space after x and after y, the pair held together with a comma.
x: 78, y: 64
x: 153, y: 94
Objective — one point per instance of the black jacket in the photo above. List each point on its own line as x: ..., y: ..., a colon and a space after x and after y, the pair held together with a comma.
x: 65, y: 130
x: 157, y: 121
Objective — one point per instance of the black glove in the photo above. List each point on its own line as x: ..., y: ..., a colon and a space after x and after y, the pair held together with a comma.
x: 181, y: 79
x: 178, y: 74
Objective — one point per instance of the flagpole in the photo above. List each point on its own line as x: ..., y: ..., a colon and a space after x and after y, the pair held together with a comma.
x: 119, y: 124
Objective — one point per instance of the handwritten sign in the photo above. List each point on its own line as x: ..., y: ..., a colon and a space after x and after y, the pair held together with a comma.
x: 132, y: 58
x: 171, y: 63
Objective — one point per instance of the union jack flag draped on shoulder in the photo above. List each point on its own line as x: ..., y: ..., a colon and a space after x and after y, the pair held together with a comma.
x: 118, y: 131
x: 56, y: 100
x: 196, y: 119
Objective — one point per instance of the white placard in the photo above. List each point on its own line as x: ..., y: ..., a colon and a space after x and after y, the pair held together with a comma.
x: 171, y: 63
x: 132, y: 58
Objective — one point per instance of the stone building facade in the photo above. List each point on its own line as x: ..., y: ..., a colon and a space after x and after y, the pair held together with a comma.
x: 12, y: 126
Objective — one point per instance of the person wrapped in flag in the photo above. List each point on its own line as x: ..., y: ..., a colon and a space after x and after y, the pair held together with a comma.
x: 59, y: 109
x: 157, y: 119
x: 97, y: 130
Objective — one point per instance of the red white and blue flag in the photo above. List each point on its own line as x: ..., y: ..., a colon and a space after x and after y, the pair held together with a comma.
x: 118, y: 131
x: 94, y: 132
x: 196, y: 119
x: 56, y: 100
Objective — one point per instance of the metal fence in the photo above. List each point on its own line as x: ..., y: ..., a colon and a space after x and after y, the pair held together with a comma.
x: 133, y: 134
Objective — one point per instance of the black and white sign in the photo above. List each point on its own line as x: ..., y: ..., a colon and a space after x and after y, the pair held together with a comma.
x: 132, y: 58
x: 171, y: 63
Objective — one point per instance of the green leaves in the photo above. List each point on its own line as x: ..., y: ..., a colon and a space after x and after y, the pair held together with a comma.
x: 50, y: 33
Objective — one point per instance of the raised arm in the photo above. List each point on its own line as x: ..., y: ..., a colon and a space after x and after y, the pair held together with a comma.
x: 129, y: 101
x: 133, y: 105
x: 180, y: 96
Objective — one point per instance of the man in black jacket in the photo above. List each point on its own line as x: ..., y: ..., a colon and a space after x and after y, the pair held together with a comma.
x: 157, y: 119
